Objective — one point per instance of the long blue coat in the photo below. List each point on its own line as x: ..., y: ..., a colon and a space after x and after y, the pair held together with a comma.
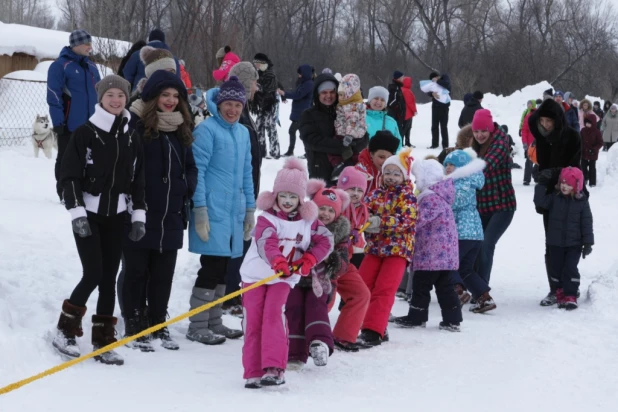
x: 222, y: 154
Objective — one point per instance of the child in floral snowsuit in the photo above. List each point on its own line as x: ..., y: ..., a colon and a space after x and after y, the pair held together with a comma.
x: 390, y: 243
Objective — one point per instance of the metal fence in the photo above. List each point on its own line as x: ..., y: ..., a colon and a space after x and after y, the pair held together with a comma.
x: 20, y: 102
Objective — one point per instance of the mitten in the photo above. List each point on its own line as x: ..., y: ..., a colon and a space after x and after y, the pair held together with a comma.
x: 545, y: 177
x: 306, y: 263
x: 347, y: 140
x: 347, y: 153
x: 586, y: 250
x: 138, y: 230
x: 81, y: 226
x: 280, y: 264
x: 374, y: 225
x: 355, y: 236
x: 202, y: 224
x: 249, y: 223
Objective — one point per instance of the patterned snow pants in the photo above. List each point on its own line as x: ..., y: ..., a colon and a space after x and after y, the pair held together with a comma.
x: 266, y: 122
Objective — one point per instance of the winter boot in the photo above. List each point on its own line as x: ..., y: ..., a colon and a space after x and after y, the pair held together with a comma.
x: 464, y: 297
x: 385, y: 337
x: 451, y: 327
x: 273, y: 377
x: 319, y: 352
x: 233, y: 307
x: 570, y: 303
x: 370, y: 338
x: 69, y: 327
x: 560, y: 298
x: 289, y: 153
x: 295, y: 365
x: 401, y: 294
x: 215, y: 323
x: 133, y: 325
x: 198, y: 328
x: 103, y: 334
x: 550, y: 299
x: 164, y: 335
x: 346, y: 346
x: 253, y: 383
x: 391, y: 318
x: 485, y: 303
x: 405, y: 322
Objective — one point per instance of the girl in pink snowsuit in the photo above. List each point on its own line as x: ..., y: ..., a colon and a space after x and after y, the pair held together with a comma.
x: 287, y: 234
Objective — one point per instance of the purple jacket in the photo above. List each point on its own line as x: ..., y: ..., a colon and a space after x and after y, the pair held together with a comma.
x: 436, y: 231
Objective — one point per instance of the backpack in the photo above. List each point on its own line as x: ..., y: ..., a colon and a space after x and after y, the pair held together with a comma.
x: 532, y: 153
x: 396, y: 105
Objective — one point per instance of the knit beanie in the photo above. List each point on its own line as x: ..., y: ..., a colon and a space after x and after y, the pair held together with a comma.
x: 483, y: 120
x: 246, y: 73
x: 156, y: 59
x: 377, y: 91
x: 326, y: 70
x: 261, y: 58
x: 79, y: 37
x: 161, y: 80
x: 384, y: 140
x: 559, y: 93
x: 573, y: 177
x: 478, y: 95
x: 336, y: 198
x: 112, y: 81
x: 351, y: 177
x: 232, y: 90
x: 327, y: 85
x: 460, y: 158
x: 402, y: 160
x: 467, y: 98
x: 397, y: 74
x: 157, y: 35
x: 427, y: 172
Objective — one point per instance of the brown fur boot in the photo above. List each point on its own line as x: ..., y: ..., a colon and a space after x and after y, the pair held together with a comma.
x: 69, y: 327
x: 103, y: 334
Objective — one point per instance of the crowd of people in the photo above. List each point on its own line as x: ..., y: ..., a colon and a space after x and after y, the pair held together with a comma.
x: 361, y: 218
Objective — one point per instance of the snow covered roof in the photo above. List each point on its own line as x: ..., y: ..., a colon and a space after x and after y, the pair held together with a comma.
x: 45, y: 43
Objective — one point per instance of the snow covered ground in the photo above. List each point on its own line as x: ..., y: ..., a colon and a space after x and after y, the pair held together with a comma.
x: 518, y: 357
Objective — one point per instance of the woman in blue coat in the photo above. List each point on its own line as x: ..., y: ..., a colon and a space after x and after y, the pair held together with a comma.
x: 224, y: 205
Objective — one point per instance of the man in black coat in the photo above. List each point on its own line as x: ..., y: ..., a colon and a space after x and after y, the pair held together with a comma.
x: 439, y: 112
x: 472, y: 105
x: 557, y: 146
x: 317, y: 129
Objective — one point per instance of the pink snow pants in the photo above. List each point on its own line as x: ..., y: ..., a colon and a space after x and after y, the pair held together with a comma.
x: 266, y: 333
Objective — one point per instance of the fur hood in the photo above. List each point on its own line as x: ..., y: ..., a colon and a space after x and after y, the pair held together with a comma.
x: 340, y: 229
x: 475, y: 166
x: 590, y: 107
x: 464, y: 137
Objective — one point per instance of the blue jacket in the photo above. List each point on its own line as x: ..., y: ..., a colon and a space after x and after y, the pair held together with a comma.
x: 222, y: 154
x: 166, y: 189
x: 464, y: 207
x: 71, y: 95
x: 134, y: 69
x: 572, y: 118
x: 375, y: 120
x: 302, y: 96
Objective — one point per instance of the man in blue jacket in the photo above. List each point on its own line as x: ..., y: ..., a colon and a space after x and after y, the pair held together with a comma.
x: 134, y: 71
x: 301, y: 100
x: 71, y: 95
x: 439, y: 112
x: 570, y: 112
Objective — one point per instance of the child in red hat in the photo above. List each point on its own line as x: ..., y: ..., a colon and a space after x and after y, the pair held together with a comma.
x: 569, y: 233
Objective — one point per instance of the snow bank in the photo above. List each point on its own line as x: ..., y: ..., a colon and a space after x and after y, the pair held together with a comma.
x: 28, y: 75
x: 45, y: 43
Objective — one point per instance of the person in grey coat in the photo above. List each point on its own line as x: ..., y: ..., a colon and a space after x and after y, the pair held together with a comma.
x: 609, y: 126
x: 570, y: 232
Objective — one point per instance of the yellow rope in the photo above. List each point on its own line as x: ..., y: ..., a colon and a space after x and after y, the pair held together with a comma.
x: 124, y: 341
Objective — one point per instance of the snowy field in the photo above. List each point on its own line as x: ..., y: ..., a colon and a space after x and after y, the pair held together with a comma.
x: 520, y: 357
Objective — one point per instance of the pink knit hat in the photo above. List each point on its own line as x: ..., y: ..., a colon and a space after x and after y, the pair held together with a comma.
x: 292, y: 178
x: 352, y: 177
x: 322, y: 196
x: 483, y: 120
x: 573, y: 177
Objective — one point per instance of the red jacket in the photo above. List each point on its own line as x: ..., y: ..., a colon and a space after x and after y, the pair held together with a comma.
x: 364, y: 159
x: 184, y: 76
x: 409, y: 97
x: 592, y: 139
x: 526, y: 136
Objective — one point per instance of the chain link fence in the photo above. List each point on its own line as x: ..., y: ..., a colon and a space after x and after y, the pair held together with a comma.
x: 20, y: 102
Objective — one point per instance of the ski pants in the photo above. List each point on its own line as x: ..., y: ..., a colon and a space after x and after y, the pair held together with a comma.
x: 266, y: 122
x: 448, y: 300
x: 565, y: 275
x: 355, y: 293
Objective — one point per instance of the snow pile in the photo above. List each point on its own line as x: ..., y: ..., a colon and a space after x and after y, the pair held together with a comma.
x: 46, y: 44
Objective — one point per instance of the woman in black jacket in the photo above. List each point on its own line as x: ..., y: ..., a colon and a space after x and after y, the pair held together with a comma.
x: 102, y: 167
x: 162, y: 120
x: 317, y: 130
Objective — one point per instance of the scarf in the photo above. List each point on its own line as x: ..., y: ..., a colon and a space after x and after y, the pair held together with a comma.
x: 168, y: 121
x: 355, y: 98
x: 357, y: 216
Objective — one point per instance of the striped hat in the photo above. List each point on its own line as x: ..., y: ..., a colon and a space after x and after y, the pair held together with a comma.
x: 232, y: 90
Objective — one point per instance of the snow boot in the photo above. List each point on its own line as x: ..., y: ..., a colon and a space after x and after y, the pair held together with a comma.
x: 163, y: 334
x: 273, y: 377
x: 233, y: 307
x: 346, y: 346
x: 103, y: 334
x: 370, y: 338
x: 405, y: 322
x: 69, y: 327
x: 464, y: 297
x: 550, y: 299
x: 385, y: 337
x: 391, y: 318
x: 451, y: 327
x: 134, y: 324
x: 253, y: 383
x: 289, y: 153
x: 198, y: 328
x: 295, y: 365
x: 215, y: 323
x: 570, y: 303
x: 319, y: 352
x: 560, y: 298
x: 485, y: 303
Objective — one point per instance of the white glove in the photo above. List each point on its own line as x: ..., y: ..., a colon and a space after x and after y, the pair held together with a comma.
x: 249, y: 223
x: 202, y: 225
x: 374, y: 225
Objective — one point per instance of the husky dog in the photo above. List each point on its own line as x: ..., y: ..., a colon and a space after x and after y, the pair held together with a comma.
x: 43, y: 136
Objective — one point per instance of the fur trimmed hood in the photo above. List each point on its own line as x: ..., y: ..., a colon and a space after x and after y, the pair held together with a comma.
x: 340, y: 229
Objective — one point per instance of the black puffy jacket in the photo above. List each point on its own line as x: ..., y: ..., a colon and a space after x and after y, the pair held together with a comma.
x: 570, y: 218
x: 467, y: 113
x: 256, y: 152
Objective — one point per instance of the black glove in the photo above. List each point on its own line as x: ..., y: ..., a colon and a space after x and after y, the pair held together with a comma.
x: 586, y: 250
x: 545, y: 177
x: 138, y: 230
x: 81, y: 227
x: 59, y: 130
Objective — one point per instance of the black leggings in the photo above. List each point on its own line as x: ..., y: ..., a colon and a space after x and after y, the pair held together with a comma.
x: 212, y: 272
x: 100, y: 257
x: 148, y: 274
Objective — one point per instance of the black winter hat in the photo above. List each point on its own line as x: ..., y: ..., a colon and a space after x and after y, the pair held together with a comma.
x: 478, y: 95
x: 433, y: 74
x: 538, y: 102
x: 553, y: 110
x: 383, y: 140
x: 157, y: 34
x: 160, y: 80
x: 261, y: 58
x: 397, y: 74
